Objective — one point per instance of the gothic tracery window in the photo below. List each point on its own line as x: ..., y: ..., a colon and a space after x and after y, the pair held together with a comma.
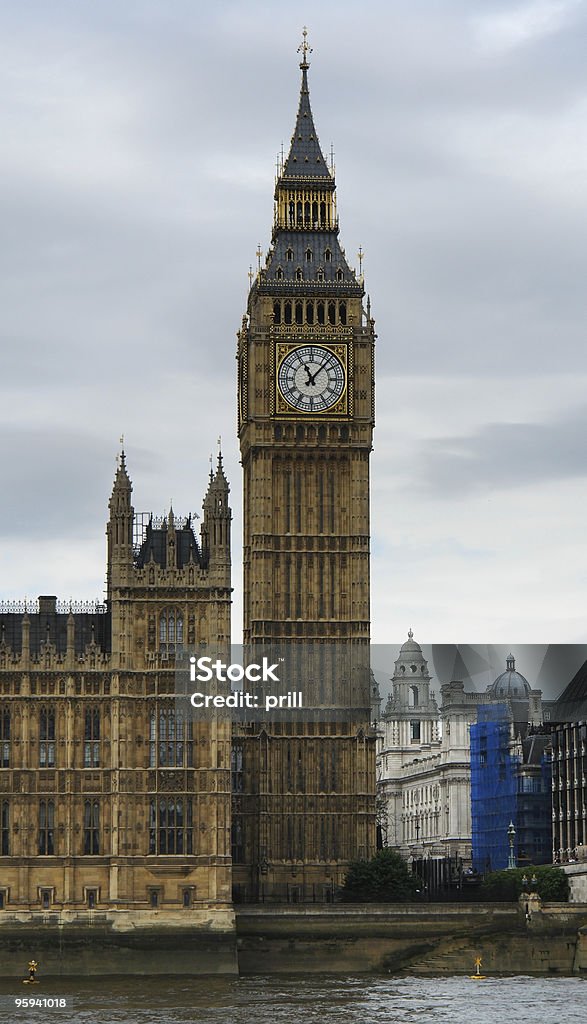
x: 92, y: 738
x: 46, y: 828
x: 170, y: 739
x: 47, y: 738
x: 4, y: 738
x: 5, y: 831
x: 91, y: 827
x: 170, y: 631
x: 171, y: 826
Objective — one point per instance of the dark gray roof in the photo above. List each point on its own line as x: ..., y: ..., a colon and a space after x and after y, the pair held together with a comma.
x: 305, y: 159
x: 318, y: 274
x: 572, y: 703
x: 155, y: 546
x: 51, y: 625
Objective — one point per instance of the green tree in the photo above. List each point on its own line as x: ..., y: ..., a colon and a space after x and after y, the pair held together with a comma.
x: 383, y: 879
x: 552, y: 884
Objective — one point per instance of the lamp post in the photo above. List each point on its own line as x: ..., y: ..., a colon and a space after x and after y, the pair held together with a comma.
x: 511, y: 837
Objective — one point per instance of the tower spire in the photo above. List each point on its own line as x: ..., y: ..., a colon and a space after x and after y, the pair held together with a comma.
x: 305, y: 159
x: 304, y: 48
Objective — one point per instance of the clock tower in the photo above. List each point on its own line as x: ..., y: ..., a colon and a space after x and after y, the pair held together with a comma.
x: 304, y: 801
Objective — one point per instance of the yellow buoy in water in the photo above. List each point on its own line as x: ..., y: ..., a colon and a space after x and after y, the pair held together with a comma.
x: 31, y: 980
x: 478, y: 976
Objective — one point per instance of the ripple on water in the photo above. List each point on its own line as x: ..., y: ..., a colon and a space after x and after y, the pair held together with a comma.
x: 317, y: 999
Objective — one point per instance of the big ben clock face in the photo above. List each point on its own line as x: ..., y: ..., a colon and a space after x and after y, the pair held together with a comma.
x: 311, y: 378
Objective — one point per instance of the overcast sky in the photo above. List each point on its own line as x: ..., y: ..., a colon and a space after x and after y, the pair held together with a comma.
x: 137, y: 149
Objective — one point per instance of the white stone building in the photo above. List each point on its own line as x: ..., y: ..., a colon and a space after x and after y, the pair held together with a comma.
x: 423, y: 759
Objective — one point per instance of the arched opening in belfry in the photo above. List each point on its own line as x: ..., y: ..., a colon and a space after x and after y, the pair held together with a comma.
x: 413, y: 697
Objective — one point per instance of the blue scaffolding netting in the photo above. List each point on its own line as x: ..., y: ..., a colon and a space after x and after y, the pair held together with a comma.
x: 494, y: 781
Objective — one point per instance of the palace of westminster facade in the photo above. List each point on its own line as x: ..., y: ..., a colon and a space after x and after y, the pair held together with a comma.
x: 109, y: 798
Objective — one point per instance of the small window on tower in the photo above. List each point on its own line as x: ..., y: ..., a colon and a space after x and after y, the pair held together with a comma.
x: 320, y: 275
x: 309, y: 255
x: 299, y: 274
x: 328, y: 256
x: 339, y: 275
x: 289, y: 255
x: 279, y: 274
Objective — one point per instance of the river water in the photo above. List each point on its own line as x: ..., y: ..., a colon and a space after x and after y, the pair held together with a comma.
x: 314, y: 999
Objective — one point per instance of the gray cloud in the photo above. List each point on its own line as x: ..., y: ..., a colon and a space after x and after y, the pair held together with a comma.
x: 500, y: 456
x: 137, y: 157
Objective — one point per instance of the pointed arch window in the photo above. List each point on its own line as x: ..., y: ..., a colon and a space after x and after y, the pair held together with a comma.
x: 342, y: 313
x: 5, y: 833
x: 289, y: 255
x: 320, y: 312
x: 331, y: 313
x: 170, y: 631
x: 299, y: 312
x: 170, y: 739
x: 339, y: 275
x: 320, y: 275
x: 277, y: 312
x: 92, y: 738
x: 91, y: 828
x: 299, y: 274
x: 279, y: 274
x: 328, y: 256
x: 171, y: 826
x: 47, y: 738
x: 4, y: 738
x: 46, y: 828
x: 308, y: 255
x: 287, y: 313
x: 309, y: 312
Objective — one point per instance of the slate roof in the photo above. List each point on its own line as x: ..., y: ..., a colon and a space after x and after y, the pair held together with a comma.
x: 572, y: 703
x: 52, y: 626
x: 298, y: 243
x: 332, y: 275
x: 155, y: 546
x: 305, y: 158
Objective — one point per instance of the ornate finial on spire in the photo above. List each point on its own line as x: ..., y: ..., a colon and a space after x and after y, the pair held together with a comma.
x: 259, y: 254
x: 211, y: 461
x: 304, y: 48
x: 410, y: 634
x: 360, y: 257
x: 251, y: 276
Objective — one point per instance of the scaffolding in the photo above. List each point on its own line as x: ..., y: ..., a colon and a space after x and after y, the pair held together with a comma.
x: 494, y: 783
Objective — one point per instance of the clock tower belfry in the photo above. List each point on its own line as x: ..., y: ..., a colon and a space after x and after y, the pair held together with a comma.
x: 305, y: 422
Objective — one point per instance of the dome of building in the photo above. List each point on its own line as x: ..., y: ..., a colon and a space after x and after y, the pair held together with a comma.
x: 510, y: 683
x: 411, y: 661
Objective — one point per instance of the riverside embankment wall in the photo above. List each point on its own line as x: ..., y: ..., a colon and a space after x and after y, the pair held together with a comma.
x: 416, y: 938
x: 431, y: 939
